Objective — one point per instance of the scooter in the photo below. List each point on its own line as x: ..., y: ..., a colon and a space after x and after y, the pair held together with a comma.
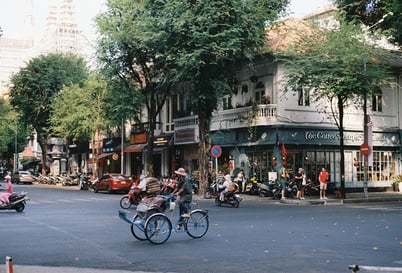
x: 133, y: 197
x: 168, y: 186
x: 17, y: 201
x: 252, y: 186
x: 290, y: 190
x: 231, y: 198
x: 265, y: 189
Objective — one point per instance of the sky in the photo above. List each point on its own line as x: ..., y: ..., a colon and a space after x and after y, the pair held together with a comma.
x: 12, y: 14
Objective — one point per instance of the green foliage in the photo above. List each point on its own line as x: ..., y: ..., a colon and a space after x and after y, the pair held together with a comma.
x: 35, y: 85
x: 10, y: 128
x: 212, y: 37
x: 134, y: 53
x: 372, y: 12
x: 335, y: 63
x: 78, y: 111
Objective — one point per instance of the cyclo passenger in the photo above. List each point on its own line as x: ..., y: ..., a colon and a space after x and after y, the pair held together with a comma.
x: 185, y: 192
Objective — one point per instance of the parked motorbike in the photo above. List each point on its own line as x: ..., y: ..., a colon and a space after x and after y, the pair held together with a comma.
x: 231, y: 198
x: 168, y: 185
x: 290, y: 190
x: 252, y: 186
x: 265, y: 188
x: 194, y: 184
x: 133, y: 197
x: 17, y: 201
x: 312, y: 188
x: 84, y: 182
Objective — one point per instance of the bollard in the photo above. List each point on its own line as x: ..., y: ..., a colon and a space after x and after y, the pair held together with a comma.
x: 9, y: 265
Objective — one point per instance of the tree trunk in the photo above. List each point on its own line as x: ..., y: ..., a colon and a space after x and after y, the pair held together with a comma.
x: 341, y: 146
x: 203, y: 130
x: 43, y: 146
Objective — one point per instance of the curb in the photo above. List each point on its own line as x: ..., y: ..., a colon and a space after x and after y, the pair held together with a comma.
x: 343, y: 201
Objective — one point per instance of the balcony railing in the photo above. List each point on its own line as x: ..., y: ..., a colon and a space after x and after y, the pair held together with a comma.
x: 264, y: 114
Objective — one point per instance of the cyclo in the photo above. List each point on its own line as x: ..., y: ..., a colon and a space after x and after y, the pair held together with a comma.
x: 153, y: 220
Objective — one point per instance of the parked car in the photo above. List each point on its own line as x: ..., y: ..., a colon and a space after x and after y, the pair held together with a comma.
x: 22, y: 177
x: 111, y: 182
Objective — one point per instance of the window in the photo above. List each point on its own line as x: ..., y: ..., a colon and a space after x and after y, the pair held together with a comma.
x: 260, y: 97
x: 303, y: 97
x: 377, y: 101
x: 227, y: 103
x: 383, y: 169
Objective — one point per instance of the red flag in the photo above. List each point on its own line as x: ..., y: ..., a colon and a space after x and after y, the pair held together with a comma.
x: 284, y: 153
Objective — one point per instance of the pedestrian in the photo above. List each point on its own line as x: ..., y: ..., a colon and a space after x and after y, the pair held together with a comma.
x: 323, y: 177
x: 4, y: 196
x: 283, y: 179
x: 299, y: 180
x: 304, y: 183
x: 240, y: 180
x: 185, y: 193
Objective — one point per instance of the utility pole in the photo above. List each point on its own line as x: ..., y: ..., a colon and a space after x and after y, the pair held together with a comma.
x: 366, y: 149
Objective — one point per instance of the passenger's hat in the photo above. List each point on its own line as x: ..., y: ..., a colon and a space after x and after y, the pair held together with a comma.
x: 181, y: 171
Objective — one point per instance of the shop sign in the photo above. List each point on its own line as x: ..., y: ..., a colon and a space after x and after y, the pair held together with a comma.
x: 109, y: 144
x: 140, y: 138
x: 161, y: 142
x: 186, y: 136
x: 330, y: 137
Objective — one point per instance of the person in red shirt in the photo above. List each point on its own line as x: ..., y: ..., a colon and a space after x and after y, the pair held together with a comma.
x: 323, y: 177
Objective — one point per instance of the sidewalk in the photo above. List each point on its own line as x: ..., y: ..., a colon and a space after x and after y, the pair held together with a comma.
x: 355, y: 197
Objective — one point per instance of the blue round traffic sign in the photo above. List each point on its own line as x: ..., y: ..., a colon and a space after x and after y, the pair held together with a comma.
x: 216, y: 151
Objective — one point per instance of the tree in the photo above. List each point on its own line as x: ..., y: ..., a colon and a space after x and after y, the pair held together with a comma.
x: 12, y: 133
x: 134, y: 54
x: 210, y: 39
x: 34, y: 87
x: 336, y: 65
x: 383, y: 15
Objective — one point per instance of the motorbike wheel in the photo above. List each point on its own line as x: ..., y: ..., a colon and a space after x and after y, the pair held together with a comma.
x: 235, y: 203
x: 218, y: 202
x: 158, y: 229
x: 208, y: 195
x: 125, y: 202
x: 197, y: 225
x: 137, y: 228
x: 19, y: 207
x: 278, y: 194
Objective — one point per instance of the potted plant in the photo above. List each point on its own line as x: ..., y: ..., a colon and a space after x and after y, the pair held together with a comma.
x: 397, y: 185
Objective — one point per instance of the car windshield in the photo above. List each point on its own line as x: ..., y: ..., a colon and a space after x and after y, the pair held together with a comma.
x: 118, y: 176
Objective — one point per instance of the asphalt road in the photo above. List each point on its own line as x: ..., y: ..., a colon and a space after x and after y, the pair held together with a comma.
x: 65, y: 227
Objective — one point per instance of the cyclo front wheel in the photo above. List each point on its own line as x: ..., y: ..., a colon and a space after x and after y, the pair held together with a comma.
x: 158, y: 228
x: 137, y: 228
x: 197, y: 224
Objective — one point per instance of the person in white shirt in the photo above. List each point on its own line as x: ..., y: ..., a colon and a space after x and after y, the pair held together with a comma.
x: 227, y: 181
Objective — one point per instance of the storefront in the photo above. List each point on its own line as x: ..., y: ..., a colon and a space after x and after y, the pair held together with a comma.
x: 312, y: 149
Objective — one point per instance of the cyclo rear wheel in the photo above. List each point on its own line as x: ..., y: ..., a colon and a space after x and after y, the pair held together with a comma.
x: 197, y: 224
x: 137, y: 228
x: 158, y: 228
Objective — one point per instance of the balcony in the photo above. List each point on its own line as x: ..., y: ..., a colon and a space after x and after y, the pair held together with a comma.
x: 265, y: 114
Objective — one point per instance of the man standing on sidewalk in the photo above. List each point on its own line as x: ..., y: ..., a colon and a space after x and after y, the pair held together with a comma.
x: 323, y: 177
